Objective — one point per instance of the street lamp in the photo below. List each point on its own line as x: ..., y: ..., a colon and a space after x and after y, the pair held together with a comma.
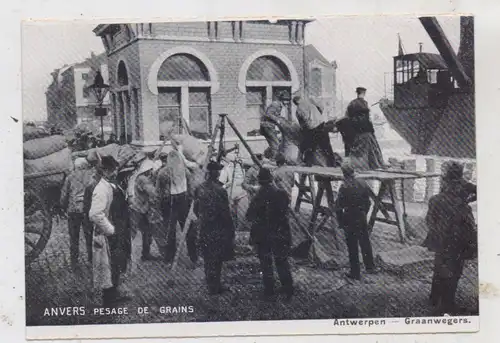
x: 100, y: 89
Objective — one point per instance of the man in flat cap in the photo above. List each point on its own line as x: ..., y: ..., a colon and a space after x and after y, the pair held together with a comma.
x: 452, y: 237
x: 353, y: 204
x: 270, y: 233
x: 216, y: 238
x: 364, y: 149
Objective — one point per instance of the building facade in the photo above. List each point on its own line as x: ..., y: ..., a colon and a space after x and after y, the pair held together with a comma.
x: 70, y: 102
x: 166, y: 76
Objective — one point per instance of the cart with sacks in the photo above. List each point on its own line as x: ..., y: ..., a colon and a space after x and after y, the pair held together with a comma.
x: 47, y: 162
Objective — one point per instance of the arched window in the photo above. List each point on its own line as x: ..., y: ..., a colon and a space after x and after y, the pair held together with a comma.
x: 184, y: 96
x: 122, y: 74
x: 123, y: 107
x: 266, y: 78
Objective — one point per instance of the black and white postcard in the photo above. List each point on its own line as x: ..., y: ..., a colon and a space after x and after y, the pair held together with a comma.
x: 243, y: 177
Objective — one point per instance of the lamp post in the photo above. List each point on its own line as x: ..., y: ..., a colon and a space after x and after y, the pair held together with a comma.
x: 100, y: 89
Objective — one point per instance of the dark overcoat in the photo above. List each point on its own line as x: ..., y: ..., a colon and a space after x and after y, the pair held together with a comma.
x: 451, y: 225
x: 217, y: 231
x: 268, y: 214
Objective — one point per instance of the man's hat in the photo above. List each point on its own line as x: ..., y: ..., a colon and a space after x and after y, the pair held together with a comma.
x: 360, y: 90
x: 108, y: 163
x: 212, y: 166
x: 265, y: 176
x: 453, y: 171
x: 163, y: 155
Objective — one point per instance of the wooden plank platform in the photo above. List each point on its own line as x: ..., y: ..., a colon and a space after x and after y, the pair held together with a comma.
x: 381, y: 175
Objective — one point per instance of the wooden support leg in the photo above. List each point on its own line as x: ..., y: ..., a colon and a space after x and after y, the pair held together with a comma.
x: 401, y: 223
x: 377, y: 205
x: 317, y: 205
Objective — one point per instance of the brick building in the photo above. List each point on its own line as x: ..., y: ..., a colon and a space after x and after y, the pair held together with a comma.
x: 69, y: 102
x: 164, y: 74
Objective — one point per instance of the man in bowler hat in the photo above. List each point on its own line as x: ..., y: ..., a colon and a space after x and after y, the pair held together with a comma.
x: 216, y: 238
x: 270, y: 233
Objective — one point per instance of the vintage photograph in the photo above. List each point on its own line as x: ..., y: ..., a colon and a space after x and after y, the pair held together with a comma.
x: 251, y: 170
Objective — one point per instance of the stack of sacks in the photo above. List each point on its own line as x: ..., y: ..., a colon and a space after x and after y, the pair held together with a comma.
x: 30, y: 133
x: 121, y: 153
x: 46, y: 155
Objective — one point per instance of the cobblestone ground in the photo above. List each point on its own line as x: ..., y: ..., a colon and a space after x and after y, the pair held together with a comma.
x: 321, y: 292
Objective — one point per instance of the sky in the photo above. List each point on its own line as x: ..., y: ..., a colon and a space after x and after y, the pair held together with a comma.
x: 362, y: 46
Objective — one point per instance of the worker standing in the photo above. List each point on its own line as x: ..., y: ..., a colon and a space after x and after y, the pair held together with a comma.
x: 353, y: 204
x: 216, y: 238
x: 270, y: 233
x: 452, y: 237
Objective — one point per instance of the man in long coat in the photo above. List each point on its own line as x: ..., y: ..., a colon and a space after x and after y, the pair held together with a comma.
x: 270, y: 233
x: 452, y: 237
x: 216, y: 238
x: 104, y: 275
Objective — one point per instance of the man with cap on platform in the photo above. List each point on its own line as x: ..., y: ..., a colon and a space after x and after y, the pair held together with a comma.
x: 217, y: 232
x: 452, y: 237
x: 270, y: 233
x: 359, y: 135
x: 315, y: 134
x: 353, y: 204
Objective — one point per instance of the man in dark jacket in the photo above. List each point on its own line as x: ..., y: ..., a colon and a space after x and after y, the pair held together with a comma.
x: 353, y: 204
x: 270, y: 233
x: 216, y: 238
x: 452, y: 236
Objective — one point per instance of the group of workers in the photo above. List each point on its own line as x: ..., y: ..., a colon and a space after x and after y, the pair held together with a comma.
x: 157, y: 197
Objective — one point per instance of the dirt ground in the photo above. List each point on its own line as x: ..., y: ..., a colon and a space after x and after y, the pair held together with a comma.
x: 321, y: 292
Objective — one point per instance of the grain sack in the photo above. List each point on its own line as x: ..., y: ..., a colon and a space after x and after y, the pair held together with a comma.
x: 41, y: 147
x: 56, y: 163
x: 193, y: 148
x: 30, y: 133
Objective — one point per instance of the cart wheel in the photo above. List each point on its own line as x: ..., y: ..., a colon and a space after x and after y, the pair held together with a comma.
x: 37, y: 226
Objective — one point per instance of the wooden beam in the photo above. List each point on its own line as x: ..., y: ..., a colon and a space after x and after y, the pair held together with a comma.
x: 436, y: 33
